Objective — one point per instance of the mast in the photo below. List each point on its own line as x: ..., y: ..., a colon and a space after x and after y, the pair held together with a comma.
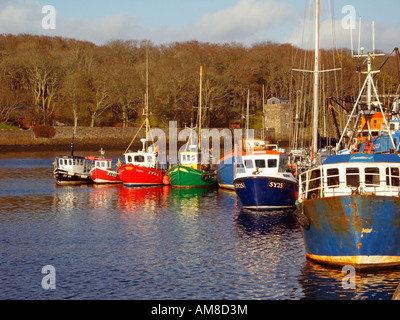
x: 201, y: 80
x: 314, y: 147
x: 263, y: 114
x: 146, y: 107
x: 248, y: 115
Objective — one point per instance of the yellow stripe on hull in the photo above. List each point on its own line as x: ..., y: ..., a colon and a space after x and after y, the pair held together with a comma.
x: 359, y: 262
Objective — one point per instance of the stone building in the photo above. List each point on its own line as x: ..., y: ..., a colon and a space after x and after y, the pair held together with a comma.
x: 279, y: 116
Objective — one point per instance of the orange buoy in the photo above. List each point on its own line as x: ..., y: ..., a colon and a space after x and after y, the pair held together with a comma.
x: 166, y: 180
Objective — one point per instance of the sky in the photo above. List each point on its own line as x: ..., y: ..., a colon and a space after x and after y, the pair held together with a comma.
x: 243, y: 21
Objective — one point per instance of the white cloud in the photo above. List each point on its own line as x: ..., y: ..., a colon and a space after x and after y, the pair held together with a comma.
x: 246, y: 22
x: 333, y: 35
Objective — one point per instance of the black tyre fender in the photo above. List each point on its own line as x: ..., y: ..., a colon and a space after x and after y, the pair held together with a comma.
x: 301, y: 218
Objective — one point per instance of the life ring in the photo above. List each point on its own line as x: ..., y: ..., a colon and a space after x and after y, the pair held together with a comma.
x: 256, y: 172
x: 314, y: 195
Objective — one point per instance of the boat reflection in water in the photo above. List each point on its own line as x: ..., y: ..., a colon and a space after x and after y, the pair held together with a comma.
x: 323, y: 282
x: 142, y: 198
x: 190, y: 199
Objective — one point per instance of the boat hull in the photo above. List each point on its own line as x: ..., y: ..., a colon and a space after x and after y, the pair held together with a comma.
x: 99, y: 175
x: 265, y: 193
x: 358, y: 230
x: 225, y: 173
x: 68, y: 177
x: 185, y: 177
x: 136, y: 176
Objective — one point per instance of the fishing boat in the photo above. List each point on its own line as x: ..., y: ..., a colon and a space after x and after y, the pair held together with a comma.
x: 226, y: 166
x: 71, y: 169
x: 102, y: 171
x: 348, y: 206
x: 192, y: 172
x: 143, y: 168
x: 263, y: 181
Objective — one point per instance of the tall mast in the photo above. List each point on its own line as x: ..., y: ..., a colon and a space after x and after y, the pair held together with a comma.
x: 146, y: 108
x: 201, y: 80
x: 247, y: 114
x: 314, y: 147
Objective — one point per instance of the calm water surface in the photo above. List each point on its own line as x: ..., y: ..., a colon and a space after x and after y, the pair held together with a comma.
x: 112, y: 242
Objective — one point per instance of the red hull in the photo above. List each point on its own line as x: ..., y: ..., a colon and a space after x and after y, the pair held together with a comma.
x: 99, y: 175
x: 132, y: 175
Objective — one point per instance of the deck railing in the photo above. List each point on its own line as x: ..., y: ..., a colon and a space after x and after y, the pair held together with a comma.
x: 314, y: 184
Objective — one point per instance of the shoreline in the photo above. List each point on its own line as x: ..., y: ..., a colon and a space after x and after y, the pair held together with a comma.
x: 91, y: 138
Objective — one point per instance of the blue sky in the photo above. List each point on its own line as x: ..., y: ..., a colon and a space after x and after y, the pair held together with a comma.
x: 164, y: 21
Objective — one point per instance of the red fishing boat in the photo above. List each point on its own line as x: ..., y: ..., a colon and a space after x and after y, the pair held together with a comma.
x: 102, y: 170
x: 141, y: 168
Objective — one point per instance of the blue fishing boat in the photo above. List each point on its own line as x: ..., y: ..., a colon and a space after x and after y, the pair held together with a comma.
x: 263, y: 181
x: 349, y: 210
x: 349, y: 206
x: 226, y: 171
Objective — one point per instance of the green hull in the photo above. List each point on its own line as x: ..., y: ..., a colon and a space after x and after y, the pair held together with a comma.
x: 185, y: 177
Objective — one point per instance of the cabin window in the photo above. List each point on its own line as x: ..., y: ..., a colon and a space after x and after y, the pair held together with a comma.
x: 333, y: 178
x: 248, y: 164
x: 371, y: 177
x: 61, y: 162
x: 139, y: 159
x: 70, y: 162
x: 260, y: 163
x: 149, y: 159
x: 103, y: 164
x: 394, y: 175
x: 129, y: 159
x: 314, y: 183
x: 352, y: 177
x: 272, y: 163
x: 193, y: 158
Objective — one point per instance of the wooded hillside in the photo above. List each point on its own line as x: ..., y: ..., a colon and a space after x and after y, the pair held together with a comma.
x: 46, y: 79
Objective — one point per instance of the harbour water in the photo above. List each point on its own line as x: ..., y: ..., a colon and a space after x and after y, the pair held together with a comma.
x: 157, y: 243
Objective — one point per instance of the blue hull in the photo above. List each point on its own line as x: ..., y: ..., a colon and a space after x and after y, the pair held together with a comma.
x: 254, y: 193
x: 225, y: 173
x: 358, y: 230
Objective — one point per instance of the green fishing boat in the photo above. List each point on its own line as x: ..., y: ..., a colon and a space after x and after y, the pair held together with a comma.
x: 190, y: 175
x: 190, y: 172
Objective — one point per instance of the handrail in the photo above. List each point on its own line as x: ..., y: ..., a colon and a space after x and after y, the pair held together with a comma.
x: 318, y: 186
